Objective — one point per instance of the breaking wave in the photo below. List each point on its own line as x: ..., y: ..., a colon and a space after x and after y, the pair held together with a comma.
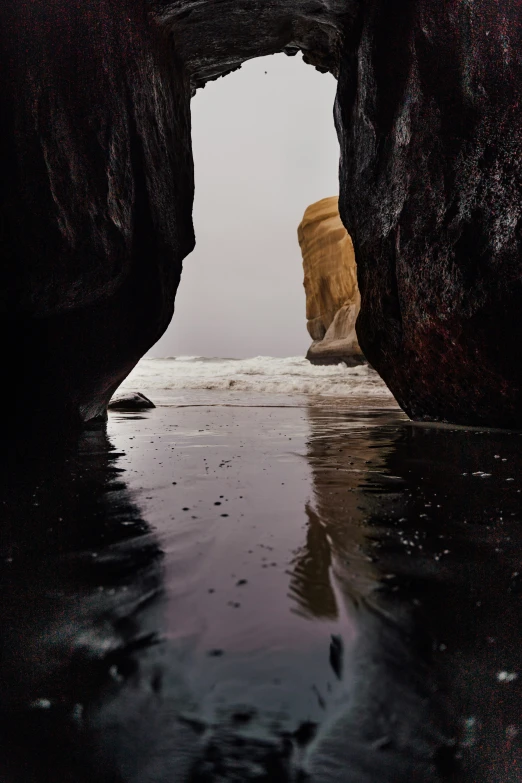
x: 259, y: 375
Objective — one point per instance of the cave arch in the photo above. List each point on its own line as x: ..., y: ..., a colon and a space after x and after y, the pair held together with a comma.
x: 213, y: 39
x: 97, y: 186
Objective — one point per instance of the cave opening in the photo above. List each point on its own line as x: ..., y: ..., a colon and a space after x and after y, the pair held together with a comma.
x: 264, y: 147
x: 98, y: 188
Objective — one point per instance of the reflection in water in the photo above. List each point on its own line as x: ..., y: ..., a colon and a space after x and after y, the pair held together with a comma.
x: 424, y: 523
x: 310, y: 585
x: 82, y: 655
x: 409, y: 566
x: 336, y: 536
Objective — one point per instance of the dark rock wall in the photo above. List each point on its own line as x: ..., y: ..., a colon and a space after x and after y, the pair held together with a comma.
x: 429, y: 118
x: 95, y: 198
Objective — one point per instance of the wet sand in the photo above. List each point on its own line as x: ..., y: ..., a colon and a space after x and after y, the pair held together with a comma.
x: 321, y: 591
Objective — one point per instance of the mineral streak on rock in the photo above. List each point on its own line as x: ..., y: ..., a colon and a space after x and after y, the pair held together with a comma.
x: 330, y: 281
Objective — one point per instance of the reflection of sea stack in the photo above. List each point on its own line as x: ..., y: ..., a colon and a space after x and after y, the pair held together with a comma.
x: 330, y: 281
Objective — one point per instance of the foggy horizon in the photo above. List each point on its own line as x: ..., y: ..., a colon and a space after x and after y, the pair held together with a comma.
x: 273, y: 150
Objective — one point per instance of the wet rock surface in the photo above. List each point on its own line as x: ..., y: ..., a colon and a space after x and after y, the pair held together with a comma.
x: 130, y: 401
x: 362, y: 591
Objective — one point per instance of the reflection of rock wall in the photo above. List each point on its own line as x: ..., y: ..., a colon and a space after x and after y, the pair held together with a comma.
x: 330, y: 281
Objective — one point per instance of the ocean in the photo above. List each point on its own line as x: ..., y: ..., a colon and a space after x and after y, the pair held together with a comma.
x: 261, y: 380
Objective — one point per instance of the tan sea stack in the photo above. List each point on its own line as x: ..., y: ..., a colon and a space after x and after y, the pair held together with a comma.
x: 330, y: 282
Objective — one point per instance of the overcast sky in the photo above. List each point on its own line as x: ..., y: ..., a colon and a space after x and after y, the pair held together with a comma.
x: 264, y: 148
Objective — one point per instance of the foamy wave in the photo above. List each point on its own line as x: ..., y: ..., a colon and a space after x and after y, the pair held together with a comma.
x: 262, y: 374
